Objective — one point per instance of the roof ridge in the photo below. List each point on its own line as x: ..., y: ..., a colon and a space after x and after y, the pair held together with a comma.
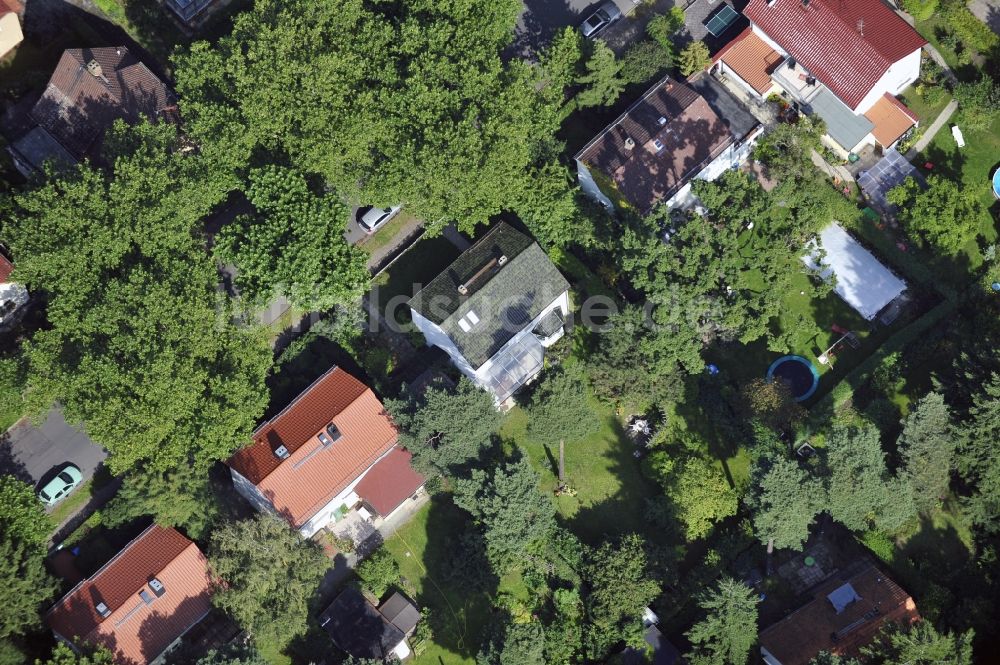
x: 92, y: 578
x: 302, y: 445
x: 296, y: 400
x: 853, y: 29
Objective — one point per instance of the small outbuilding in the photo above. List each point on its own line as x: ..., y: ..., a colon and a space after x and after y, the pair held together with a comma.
x: 861, y: 279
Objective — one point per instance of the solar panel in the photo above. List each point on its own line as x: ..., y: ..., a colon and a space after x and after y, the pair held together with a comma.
x: 722, y: 20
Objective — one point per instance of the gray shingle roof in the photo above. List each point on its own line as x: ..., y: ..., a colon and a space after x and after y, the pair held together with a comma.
x: 842, y: 124
x: 505, y: 296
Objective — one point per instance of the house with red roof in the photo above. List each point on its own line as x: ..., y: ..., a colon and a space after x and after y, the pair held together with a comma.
x: 330, y: 451
x: 844, y: 614
x: 10, y: 25
x: 13, y: 296
x: 141, y: 602
x: 844, y: 60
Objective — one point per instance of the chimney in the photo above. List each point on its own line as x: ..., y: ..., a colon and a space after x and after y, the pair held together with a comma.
x: 629, y: 142
x: 95, y: 70
x: 805, y: 3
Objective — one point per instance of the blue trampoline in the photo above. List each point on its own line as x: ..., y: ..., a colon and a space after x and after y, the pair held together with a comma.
x: 996, y: 183
x: 800, y: 375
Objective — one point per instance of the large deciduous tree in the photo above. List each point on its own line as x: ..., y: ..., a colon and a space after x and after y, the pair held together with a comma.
x: 945, y: 214
x: 139, y: 347
x: 391, y: 102
x: 63, y: 655
x: 22, y: 517
x: 729, y: 629
x: 293, y: 245
x: 927, y: 447
x: 514, y: 514
x: 24, y: 585
x: 266, y: 575
x: 698, y: 491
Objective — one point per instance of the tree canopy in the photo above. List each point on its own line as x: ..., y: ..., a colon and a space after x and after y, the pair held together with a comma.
x: 267, y: 575
x: 618, y: 587
x: 24, y: 585
x: 445, y: 428
x: 945, y: 214
x: 513, y: 512
x: 63, y: 655
x: 22, y: 517
x: 560, y: 408
x: 927, y: 446
x: 391, y: 102
x: 293, y: 245
x: 181, y: 497
x: 784, y: 499
x: 140, y: 348
x: 729, y: 629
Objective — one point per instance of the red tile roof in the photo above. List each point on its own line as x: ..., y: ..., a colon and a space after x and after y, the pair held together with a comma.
x: 390, y: 482
x: 7, y: 6
x: 136, y: 631
x: 78, y: 105
x: 752, y: 59
x: 312, y: 476
x: 824, y: 36
x: 690, y: 135
x: 799, y: 637
x: 891, y: 119
x: 6, y: 268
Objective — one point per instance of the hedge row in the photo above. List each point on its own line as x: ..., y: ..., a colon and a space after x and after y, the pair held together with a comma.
x: 843, y: 391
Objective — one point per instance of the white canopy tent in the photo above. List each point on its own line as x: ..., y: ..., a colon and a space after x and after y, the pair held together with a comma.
x: 862, y: 281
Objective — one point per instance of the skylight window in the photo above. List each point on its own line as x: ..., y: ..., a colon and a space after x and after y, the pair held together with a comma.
x: 103, y: 610
x: 658, y: 144
x: 467, y: 322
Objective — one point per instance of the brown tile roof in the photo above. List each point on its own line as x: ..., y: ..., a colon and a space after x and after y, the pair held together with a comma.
x: 891, y: 119
x: 311, y: 476
x: 80, y: 103
x: 815, y: 627
x: 6, y: 268
x: 15, y: 6
x: 390, y: 482
x: 823, y: 35
x: 691, y: 135
x: 137, y: 631
x: 752, y: 59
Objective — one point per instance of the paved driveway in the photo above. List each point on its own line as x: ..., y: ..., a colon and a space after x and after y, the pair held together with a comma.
x: 988, y: 12
x: 541, y: 19
x: 33, y: 454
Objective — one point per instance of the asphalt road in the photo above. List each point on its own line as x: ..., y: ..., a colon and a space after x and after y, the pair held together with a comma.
x: 34, y: 454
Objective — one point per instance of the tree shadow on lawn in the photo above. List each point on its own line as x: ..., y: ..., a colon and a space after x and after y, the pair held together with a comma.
x: 459, y: 611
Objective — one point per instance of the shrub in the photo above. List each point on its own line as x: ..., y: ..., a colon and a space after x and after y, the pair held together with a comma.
x: 921, y: 10
x: 644, y: 61
x: 880, y: 545
x: 973, y: 32
x: 978, y: 102
x: 379, y: 572
x: 663, y: 27
x: 694, y: 58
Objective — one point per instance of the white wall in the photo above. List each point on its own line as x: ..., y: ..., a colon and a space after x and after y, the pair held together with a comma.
x: 749, y: 89
x: 589, y: 186
x: 435, y: 336
x: 901, y: 74
x: 251, y: 492
x: 767, y: 40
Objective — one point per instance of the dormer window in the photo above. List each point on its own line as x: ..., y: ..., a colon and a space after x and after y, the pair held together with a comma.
x: 281, y: 452
x: 662, y: 121
x: 103, y: 610
x: 658, y: 144
x: 157, y: 587
x: 331, y: 429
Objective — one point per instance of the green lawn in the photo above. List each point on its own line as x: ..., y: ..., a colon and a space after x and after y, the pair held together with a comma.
x: 973, y: 166
x: 611, y: 489
x: 387, y: 234
x: 79, y: 497
x: 925, y: 111
x: 423, y: 549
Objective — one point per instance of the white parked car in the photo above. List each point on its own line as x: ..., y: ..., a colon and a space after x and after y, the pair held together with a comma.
x: 375, y: 218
